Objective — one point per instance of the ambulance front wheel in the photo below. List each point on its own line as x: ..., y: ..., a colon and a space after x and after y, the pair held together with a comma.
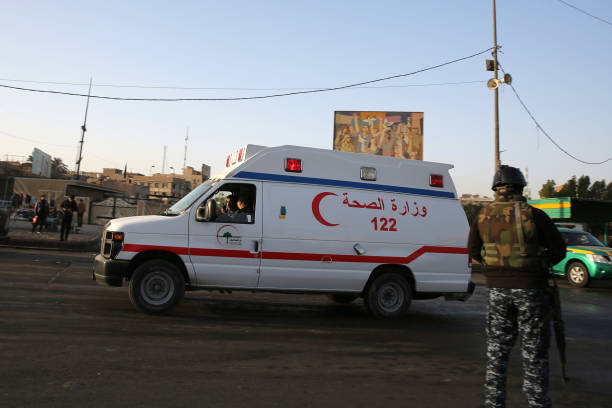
x: 388, y: 296
x: 156, y: 286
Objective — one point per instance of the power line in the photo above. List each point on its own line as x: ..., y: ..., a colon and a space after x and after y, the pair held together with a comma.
x: 198, y: 88
x: 56, y: 145
x: 584, y: 12
x: 34, y: 141
x: 544, y: 131
x: 253, y: 97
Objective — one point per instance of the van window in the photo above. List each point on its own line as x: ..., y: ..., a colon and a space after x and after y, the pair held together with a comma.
x: 235, y: 203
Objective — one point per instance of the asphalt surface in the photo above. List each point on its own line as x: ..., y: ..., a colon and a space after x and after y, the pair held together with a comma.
x: 66, y: 341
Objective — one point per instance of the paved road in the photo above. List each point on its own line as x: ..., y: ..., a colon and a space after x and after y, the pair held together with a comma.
x: 65, y: 341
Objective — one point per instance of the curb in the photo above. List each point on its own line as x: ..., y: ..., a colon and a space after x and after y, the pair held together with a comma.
x: 92, y: 245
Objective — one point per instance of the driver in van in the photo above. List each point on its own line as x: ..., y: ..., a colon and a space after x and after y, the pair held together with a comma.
x: 244, y: 205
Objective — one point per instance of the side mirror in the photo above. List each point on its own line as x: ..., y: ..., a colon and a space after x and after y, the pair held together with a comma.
x: 207, y: 212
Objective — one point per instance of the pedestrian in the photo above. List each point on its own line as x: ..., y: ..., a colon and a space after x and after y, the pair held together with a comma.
x: 80, y: 212
x: 68, y: 209
x: 41, y: 212
x: 515, y: 242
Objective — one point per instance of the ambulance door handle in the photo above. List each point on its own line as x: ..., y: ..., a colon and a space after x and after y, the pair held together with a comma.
x: 255, y: 247
x: 327, y: 259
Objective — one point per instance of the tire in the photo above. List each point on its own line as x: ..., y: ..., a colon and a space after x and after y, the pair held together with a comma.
x: 344, y: 299
x: 578, y: 275
x: 156, y: 286
x: 388, y: 296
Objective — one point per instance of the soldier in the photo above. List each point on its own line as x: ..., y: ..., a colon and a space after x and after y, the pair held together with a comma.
x: 514, y: 242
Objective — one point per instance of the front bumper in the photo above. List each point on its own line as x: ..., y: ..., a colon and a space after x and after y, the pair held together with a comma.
x: 108, y: 271
x: 601, y: 270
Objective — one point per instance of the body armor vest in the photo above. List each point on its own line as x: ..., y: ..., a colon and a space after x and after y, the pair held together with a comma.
x: 509, y: 235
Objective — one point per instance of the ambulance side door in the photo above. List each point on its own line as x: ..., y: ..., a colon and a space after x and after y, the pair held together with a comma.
x: 225, y: 250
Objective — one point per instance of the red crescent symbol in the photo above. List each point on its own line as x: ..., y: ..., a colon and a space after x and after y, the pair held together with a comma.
x: 316, y: 210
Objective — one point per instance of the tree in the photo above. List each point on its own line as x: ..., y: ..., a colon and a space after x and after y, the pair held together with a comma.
x: 607, y: 195
x: 548, y: 189
x: 582, y: 188
x: 58, y: 168
x: 598, y: 189
x: 569, y: 189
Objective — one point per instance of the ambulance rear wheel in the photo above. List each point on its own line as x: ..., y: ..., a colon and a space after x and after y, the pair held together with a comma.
x: 156, y: 286
x: 388, y: 296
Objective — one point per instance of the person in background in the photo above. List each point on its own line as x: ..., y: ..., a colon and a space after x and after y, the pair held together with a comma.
x: 41, y: 211
x: 68, y: 207
x: 80, y: 212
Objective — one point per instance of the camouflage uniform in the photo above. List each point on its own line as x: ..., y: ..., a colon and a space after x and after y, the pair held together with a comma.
x: 511, y: 312
x: 507, y: 239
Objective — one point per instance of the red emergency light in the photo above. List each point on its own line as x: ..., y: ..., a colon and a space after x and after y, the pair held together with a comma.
x: 241, y: 154
x: 293, y: 165
x: 436, y: 180
x: 227, y: 163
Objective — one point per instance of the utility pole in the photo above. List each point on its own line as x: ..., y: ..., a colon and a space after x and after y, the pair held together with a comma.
x: 164, y: 161
x: 83, y: 130
x: 497, y: 162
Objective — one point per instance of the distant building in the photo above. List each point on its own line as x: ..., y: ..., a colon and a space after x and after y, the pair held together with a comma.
x: 156, y: 186
x: 205, y: 172
x: 474, y: 199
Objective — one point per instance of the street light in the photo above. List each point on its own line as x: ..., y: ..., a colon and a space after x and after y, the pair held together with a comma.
x: 151, y: 170
x: 172, y: 169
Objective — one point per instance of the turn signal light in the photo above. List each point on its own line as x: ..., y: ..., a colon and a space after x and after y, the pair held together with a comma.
x: 293, y: 165
x: 117, y: 236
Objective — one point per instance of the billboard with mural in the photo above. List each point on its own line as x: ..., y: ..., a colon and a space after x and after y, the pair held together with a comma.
x: 396, y: 134
x: 41, y: 163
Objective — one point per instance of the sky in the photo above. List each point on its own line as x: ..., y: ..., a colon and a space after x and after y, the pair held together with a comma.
x: 556, y: 55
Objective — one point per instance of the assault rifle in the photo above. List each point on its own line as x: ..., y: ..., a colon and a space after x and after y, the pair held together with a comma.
x: 558, y: 325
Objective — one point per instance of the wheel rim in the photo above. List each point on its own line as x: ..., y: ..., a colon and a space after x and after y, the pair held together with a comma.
x: 157, y: 288
x: 576, y: 274
x: 390, y: 297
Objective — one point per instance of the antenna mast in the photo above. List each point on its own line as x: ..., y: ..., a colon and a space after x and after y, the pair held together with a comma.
x: 83, y: 130
x: 186, y: 140
x: 164, y: 161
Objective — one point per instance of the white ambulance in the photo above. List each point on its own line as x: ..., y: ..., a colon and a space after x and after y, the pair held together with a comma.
x: 300, y: 220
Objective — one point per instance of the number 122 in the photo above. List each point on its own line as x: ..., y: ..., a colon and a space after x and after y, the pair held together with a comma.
x: 383, y: 224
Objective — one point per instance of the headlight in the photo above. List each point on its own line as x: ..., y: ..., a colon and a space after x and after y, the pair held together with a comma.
x: 599, y: 258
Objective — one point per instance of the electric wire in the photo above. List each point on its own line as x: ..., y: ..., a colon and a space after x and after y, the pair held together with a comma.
x: 34, y: 141
x: 198, y: 88
x: 337, y: 88
x: 539, y: 127
x: 56, y: 145
x: 585, y: 12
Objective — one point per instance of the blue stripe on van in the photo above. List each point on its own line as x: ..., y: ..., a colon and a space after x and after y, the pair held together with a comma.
x: 340, y: 183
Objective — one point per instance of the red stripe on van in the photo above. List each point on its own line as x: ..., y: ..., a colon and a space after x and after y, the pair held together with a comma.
x: 364, y: 258
x: 295, y: 256
x: 141, y: 248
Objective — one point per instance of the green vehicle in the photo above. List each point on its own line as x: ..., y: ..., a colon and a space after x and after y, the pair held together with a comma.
x: 586, y: 259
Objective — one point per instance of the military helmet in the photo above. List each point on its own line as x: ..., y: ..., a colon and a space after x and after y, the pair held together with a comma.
x: 508, y: 175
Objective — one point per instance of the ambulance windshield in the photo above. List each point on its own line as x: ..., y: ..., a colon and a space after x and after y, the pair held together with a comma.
x: 185, y: 202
